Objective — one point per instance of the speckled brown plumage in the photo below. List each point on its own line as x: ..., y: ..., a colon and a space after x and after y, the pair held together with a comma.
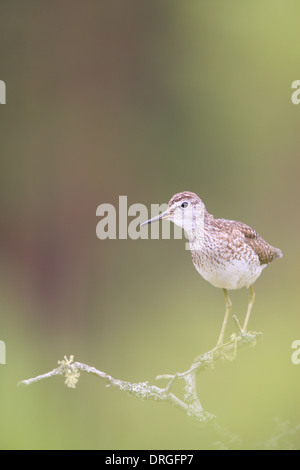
x: 232, y: 229
x: 227, y: 253
x: 243, y: 234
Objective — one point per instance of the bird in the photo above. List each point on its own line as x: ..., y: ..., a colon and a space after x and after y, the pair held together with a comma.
x: 227, y: 253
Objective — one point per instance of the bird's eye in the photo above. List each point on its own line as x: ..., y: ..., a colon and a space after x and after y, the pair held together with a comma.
x: 184, y: 204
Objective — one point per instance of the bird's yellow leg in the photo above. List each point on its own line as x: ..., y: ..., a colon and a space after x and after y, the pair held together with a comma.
x: 225, y: 321
x: 250, y: 305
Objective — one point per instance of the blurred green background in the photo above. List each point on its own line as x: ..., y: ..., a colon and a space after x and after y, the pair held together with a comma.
x: 143, y: 99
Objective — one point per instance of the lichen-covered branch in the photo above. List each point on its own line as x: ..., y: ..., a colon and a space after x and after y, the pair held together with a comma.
x: 190, y: 403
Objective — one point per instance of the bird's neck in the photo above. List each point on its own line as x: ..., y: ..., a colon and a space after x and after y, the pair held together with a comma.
x: 196, y: 231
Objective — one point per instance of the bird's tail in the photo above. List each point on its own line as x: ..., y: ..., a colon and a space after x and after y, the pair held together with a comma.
x: 277, y: 253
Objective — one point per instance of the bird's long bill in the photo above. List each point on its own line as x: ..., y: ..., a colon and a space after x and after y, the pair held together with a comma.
x: 164, y: 215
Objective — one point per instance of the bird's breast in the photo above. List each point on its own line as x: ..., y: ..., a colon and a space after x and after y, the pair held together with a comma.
x: 232, y: 273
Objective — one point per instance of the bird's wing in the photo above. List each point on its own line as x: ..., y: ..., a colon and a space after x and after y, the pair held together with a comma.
x: 265, y: 252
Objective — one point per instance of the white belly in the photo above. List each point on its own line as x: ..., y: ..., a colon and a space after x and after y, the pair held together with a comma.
x: 230, y: 275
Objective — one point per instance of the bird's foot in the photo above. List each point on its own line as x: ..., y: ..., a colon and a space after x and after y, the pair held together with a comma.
x: 249, y: 337
x: 245, y: 337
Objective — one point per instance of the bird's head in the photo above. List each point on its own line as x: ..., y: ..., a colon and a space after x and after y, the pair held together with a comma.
x: 185, y: 210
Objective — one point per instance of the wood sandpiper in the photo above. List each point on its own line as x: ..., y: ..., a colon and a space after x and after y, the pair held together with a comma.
x: 228, y: 254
